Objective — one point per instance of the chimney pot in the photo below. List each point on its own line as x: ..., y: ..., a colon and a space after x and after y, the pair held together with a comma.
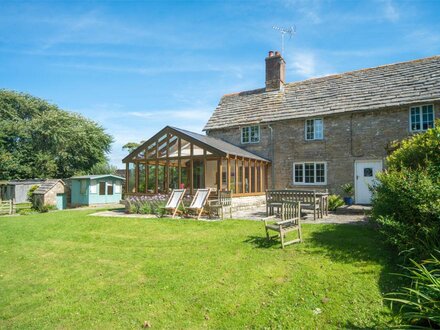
x: 275, y: 71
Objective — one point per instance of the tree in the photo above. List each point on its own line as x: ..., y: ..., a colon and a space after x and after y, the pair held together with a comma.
x: 38, y: 139
x: 130, y: 146
x: 103, y: 168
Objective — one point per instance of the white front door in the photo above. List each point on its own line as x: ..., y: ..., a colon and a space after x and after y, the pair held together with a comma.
x: 364, y: 175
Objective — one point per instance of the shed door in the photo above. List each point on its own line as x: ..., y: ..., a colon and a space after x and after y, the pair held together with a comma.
x: 61, y: 201
x: 102, y: 188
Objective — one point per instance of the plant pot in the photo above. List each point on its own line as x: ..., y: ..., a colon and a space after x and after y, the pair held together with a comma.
x: 348, y: 201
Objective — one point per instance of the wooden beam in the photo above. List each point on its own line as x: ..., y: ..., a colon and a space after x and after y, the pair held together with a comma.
x: 205, y: 166
x: 136, y: 177
x: 243, y: 179
x: 261, y: 177
x: 249, y: 176
x: 127, y: 178
x: 254, y: 162
x: 220, y: 173
x: 228, y: 174
x: 156, y: 170
x: 191, y: 170
x: 236, y: 175
x: 147, y: 176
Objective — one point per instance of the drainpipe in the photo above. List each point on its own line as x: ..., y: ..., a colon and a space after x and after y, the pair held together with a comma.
x: 273, y: 157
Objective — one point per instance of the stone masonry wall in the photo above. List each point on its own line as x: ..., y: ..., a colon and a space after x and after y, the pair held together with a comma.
x: 347, y: 138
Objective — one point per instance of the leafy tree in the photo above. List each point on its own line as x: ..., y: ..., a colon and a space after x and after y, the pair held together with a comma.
x: 38, y: 139
x: 103, y: 168
x: 130, y: 146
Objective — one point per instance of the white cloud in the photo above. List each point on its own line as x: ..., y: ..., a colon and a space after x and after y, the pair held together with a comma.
x: 304, y: 64
x: 188, y: 114
x: 390, y: 11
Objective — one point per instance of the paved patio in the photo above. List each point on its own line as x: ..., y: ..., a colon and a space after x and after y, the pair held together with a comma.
x: 254, y: 214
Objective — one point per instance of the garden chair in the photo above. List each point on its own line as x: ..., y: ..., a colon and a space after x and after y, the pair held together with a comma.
x: 221, y: 205
x: 199, y: 201
x: 290, y: 222
x: 176, y: 197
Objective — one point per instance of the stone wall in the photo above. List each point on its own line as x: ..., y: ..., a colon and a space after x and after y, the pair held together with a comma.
x: 347, y: 138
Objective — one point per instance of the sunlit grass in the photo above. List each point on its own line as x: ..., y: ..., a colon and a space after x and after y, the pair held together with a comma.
x: 69, y: 270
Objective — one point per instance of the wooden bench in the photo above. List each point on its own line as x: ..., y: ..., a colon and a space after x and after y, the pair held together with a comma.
x: 289, y: 222
x: 309, y: 199
x: 222, y: 203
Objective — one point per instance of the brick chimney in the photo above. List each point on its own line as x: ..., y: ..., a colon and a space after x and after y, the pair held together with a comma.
x: 275, y: 71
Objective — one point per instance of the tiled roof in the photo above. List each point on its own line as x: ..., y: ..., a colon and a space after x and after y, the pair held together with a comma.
x: 369, y: 89
x: 46, y: 186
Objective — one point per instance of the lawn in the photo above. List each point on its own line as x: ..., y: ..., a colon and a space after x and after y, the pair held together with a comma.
x: 69, y: 270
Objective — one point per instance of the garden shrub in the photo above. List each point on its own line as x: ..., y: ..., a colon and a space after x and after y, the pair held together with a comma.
x: 406, y: 199
x: 420, y: 302
x: 147, y: 204
x: 334, y: 201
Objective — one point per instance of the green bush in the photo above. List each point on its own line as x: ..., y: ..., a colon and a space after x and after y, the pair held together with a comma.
x: 334, y: 201
x: 420, y: 302
x: 30, y: 193
x: 406, y: 199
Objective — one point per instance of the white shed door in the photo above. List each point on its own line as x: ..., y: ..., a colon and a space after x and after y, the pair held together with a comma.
x: 365, y: 173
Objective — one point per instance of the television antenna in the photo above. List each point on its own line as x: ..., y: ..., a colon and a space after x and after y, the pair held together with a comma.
x: 283, y: 31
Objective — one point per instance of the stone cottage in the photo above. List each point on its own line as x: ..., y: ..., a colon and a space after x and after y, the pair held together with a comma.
x: 323, y: 132
x: 314, y: 134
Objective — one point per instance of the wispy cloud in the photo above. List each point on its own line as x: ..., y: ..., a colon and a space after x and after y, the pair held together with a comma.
x: 188, y: 114
x: 390, y: 11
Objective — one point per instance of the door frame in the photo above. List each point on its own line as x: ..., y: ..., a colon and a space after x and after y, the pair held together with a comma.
x: 358, y: 161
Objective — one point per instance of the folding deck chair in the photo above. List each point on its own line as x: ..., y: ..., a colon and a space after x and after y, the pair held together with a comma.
x: 174, y: 201
x: 199, y: 201
x: 290, y: 221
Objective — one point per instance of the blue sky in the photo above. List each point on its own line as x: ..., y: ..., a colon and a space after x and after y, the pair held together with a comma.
x: 136, y: 66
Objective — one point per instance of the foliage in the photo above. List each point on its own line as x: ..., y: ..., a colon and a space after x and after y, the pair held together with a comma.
x: 118, y: 273
x: 334, y: 201
x: 30, y: 193
x: 131, y: 146
x: 406, y: 199
x: 101, y: 168
x: 38, y: 139
x: 420, y: 302
x: 147, y: 204
x: 347, y: 188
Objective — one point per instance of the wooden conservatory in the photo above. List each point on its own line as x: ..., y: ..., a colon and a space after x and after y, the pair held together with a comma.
x: 176, y: 158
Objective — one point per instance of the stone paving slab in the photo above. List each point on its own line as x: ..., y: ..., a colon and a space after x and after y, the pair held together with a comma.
x: 255, y: 214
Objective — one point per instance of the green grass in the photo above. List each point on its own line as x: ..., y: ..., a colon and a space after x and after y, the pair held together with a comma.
x: 69, y: 270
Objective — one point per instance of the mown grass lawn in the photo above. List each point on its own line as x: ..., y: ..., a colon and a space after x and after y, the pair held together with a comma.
x: 70, y: 270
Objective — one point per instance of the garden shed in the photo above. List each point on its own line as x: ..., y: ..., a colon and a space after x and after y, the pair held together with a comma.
x: 17, y: 189
x: 96, y: 189
x: 52, y: 192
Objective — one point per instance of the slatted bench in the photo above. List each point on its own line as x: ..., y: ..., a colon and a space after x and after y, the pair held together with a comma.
x: 309, y: 199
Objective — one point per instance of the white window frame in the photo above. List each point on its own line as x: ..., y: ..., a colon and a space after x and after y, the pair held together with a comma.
x: 420, y: 117
x: 250, y: 128
x: 303, y: 183
x: 314, y: 129
x: 93, y: 187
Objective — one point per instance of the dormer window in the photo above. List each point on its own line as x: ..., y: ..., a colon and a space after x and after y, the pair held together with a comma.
x: 250, y: 134
x: 314, y: 129
x: 421, y: 118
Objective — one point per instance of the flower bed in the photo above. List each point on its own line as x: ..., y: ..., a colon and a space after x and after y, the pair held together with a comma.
x: 153, y: 204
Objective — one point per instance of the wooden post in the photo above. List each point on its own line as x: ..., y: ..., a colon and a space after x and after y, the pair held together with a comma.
x: 156, y: 172
x: 243, y: 179
x: 127, y: 178
x: 179, y: 165
x: 220, y: 173
x: 147, y: 176
x: 136, y: 177
x: 10, y: 206
x: 261, y: 177
x: 228, y: 174
x: 249, y: 176
x: 191, y: 169
x: 205, y: 166
x: 236, y: 175
x: 255, y: 176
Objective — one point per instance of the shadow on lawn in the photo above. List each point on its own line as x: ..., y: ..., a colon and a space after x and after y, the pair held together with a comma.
x: 261, y: 242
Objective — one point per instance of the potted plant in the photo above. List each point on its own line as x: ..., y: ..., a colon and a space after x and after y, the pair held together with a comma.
x: 348, y: 193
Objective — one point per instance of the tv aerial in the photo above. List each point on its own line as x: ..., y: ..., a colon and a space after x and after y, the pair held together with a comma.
x: 290, y: 31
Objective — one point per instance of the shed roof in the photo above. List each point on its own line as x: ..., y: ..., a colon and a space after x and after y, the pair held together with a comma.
x: 23, y: 182
x: 368, y: 89
x: 97, y: 176
x: 47, y: 185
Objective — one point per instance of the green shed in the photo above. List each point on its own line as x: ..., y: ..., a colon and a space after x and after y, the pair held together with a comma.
x: 96, y: 189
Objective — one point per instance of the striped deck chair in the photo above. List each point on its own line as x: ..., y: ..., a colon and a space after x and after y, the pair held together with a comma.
x: 199, y: 201
x: 176, y: 197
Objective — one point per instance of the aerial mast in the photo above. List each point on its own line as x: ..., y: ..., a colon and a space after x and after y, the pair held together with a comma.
x: 290, y: 31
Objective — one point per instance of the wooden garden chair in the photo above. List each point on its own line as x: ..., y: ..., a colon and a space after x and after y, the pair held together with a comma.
x: 199, y: 201
x: 290, y: 222
x: 173, y: 203
x: 221, y: 205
